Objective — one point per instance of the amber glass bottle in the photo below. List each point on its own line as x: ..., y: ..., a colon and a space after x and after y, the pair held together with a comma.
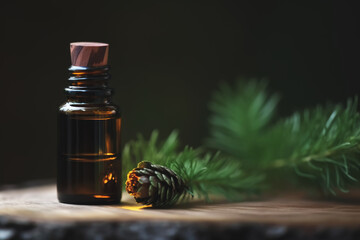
x: 89, y: 126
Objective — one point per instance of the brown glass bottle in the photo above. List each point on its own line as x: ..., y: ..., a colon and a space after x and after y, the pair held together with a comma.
x: 89, y: 161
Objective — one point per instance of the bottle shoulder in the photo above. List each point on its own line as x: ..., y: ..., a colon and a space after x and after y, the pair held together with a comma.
x: 86, y: 109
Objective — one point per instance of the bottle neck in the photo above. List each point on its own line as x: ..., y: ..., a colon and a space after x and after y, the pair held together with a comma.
x: 88, y: 85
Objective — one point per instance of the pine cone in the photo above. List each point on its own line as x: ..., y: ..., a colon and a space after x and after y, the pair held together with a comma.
x: 154, y: 185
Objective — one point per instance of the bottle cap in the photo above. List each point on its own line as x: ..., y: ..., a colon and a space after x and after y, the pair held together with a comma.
x: 89, y: 54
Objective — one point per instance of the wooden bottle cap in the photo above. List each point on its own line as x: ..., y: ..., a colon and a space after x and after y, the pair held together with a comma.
x: 89, y: 54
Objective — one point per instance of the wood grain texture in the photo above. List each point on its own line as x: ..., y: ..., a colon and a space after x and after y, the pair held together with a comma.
x: 89, y: 54
x: 35, y: 213
x: 40, y: 204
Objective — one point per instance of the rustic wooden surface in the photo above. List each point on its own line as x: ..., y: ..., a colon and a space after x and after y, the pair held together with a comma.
x: 26, y: 210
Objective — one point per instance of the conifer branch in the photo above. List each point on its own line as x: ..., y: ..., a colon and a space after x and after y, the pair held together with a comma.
x: 203, y: 174
x: 321, y: 144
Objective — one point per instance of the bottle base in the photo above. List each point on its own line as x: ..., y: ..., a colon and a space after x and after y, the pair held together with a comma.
x: 89, y: 199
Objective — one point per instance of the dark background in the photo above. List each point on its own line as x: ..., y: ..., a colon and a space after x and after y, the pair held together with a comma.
x: 167, y: 58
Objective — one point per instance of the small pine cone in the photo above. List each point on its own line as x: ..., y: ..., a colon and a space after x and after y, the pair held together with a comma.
x: 154, y: 185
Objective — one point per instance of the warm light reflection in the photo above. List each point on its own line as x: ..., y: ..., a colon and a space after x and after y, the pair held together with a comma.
x: 108, y: 143
x: 132, y: 184
x: 135, y: 208
x: 118, y: 135
x: 109, y: 177
x: 78, y: 73
x: 93, y: 154
x: 101, y: 196
x: 92, y: 160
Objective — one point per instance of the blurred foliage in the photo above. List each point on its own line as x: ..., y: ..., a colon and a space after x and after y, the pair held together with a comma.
x: 254, y: 150
x: 321, y: 144
x: 204, y: 173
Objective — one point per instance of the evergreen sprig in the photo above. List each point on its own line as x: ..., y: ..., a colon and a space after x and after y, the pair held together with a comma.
x: 204, y: 174
x: 321, y: 144
x: 141, y: 149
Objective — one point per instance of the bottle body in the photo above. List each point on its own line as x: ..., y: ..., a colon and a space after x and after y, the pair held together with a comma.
x: 89, y: 154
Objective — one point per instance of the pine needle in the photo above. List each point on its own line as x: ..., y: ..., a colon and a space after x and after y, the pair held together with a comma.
x: 320, y: 144
x: 205, y: 174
